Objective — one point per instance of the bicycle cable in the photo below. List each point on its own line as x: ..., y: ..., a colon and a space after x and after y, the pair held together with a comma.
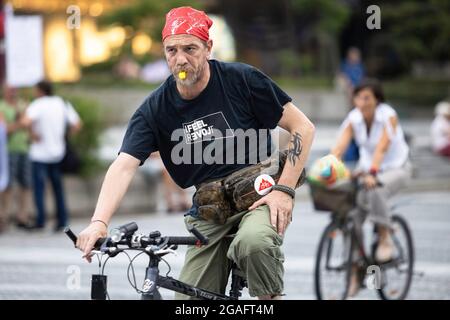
x: 104, y: 265
x: 99, y: 263
x: 131, y: 266
x: 132, y: 282
x: 103, y: 273
x: 168, y: 265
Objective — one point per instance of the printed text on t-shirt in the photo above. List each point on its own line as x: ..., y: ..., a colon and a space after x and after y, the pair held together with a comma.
x: 202, y: 129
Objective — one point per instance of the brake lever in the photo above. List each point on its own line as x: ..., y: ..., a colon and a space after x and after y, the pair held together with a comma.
x: 104, y: 247
x: 166, y: 251
x: 107, y: 250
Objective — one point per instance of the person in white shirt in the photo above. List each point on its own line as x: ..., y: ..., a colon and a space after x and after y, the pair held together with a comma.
x: 48, y: 116
x: 383, y: 167
x: 440, y: 129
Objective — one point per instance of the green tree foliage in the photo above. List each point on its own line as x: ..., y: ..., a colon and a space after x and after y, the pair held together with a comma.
x: 86, y: 142
x: 418, y: 29
x: 328, y: 16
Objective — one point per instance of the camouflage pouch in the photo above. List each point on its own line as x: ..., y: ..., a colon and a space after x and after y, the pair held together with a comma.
x: 241, y: 188
x: 218, y: 200
x: 211, y: 202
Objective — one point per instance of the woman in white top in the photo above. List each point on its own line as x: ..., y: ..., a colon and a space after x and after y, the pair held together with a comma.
x: 383, y: 166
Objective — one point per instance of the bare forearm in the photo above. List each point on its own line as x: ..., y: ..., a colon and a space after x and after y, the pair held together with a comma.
x: 381, y: 149
x: 298, y: 151
x: 114, y: 187
x: 343, y: 142
x: 74, y: 129
x: 378, y: 157
x: 338, y: 151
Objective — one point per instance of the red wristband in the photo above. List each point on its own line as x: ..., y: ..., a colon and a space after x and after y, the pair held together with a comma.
x: 373, y: 171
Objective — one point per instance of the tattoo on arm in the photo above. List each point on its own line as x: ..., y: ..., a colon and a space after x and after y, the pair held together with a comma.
x: 296, y: 149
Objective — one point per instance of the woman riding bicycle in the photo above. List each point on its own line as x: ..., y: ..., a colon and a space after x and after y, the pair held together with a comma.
x: 383, y: 167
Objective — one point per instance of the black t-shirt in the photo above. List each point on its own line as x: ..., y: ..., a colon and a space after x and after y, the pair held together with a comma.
x: 237, y: 99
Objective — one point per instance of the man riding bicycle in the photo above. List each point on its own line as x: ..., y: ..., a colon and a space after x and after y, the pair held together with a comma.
x: 205, y: 108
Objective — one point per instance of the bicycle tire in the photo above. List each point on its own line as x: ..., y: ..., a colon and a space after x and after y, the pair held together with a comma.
x: 324, y: 244
x: 410, y: 247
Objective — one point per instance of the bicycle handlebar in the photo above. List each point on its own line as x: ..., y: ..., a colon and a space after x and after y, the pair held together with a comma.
x: 198, y: 235
x: 74, y: 238
x: 145, y: 241
x: 185, y: 241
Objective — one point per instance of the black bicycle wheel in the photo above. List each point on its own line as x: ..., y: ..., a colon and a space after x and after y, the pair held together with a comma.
x: 397, y: 273
x: 333, y: 264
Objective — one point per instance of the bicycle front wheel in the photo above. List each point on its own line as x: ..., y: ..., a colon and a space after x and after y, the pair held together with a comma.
x: 333, y: 264
x: 397, y: 273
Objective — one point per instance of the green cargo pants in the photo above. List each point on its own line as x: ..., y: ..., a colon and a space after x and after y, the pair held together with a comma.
x: 255, y: 249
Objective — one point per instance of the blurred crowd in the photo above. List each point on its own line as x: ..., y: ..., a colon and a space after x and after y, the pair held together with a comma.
x: 34, y: 150
x: 32, y: 147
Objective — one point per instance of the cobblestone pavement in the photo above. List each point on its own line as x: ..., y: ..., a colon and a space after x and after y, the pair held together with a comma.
x: 38, y: 265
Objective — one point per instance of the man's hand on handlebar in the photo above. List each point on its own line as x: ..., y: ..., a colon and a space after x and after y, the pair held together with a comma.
x: 95, y: 236
x: 88, y: 237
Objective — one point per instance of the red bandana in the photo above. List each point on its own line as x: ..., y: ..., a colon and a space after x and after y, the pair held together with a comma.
x: 186, y: 20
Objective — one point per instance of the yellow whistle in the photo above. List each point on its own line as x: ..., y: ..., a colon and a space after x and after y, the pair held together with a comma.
x: 182, y: 75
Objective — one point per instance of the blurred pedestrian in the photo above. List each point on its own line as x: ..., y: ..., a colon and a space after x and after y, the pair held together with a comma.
x: 352, y: 72
x: 127, y: 68
x: 176, y: 199
x: 48, y: 116
x: 3, y: 166
x: 18, y: 161
x: 440, y: 129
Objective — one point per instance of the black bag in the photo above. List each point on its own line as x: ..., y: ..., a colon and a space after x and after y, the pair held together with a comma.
x: 339, y: 200
x: 71, y: 163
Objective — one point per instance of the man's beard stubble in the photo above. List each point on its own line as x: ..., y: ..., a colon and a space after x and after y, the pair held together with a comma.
x: 192, y: 76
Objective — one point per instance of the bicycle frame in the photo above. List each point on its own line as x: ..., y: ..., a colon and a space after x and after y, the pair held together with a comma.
x: 153, y: 280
